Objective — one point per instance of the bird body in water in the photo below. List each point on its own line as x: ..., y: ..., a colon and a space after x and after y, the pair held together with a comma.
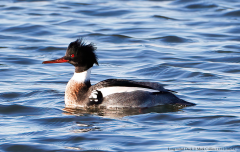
x: 110, y: 93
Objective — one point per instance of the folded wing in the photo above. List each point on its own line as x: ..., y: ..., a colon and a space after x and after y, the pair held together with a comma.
x: 111, y: 86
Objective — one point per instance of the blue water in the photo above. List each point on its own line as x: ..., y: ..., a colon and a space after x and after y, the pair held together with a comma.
x: 190, y: 46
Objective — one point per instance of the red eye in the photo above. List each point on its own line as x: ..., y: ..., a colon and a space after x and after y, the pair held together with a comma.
x: 72, y: 55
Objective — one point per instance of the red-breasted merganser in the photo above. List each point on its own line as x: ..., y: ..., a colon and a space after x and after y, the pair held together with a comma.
x: 111, y: 92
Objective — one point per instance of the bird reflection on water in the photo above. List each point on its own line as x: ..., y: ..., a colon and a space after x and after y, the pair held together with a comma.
x: 121, y: 112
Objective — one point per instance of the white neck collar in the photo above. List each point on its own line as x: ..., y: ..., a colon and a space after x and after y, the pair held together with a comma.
x: 82, y: 76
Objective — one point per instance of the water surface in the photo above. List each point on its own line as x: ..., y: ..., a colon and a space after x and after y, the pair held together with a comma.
x: 190, y: 46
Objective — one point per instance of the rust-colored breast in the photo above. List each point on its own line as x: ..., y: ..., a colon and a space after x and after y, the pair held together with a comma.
x: 75, y: 93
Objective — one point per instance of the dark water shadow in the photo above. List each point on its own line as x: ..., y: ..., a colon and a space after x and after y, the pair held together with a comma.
x: 121, y: 112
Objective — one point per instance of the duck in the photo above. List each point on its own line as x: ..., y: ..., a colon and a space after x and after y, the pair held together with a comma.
x: 110, y: 93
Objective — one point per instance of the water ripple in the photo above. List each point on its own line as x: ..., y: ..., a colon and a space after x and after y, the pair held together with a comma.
x: 191, y: 47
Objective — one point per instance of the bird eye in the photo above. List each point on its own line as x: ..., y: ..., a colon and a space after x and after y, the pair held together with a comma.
x: 72, y: 55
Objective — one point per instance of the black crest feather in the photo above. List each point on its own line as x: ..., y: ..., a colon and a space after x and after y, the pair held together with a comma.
x: 84, y: 54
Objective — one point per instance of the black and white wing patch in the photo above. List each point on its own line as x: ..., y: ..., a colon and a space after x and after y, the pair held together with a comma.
x: 112, y: 86
x: 128, y: 83
x: 96, y: 97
